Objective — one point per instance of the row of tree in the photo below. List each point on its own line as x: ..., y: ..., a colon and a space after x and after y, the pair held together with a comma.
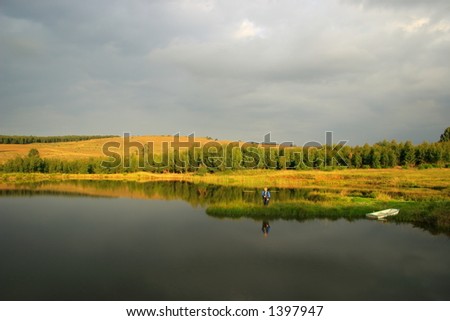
x: 220, y: 157
x: 4, y: 139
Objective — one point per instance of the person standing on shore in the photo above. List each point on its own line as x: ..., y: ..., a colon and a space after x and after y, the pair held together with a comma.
x: 266, y: 196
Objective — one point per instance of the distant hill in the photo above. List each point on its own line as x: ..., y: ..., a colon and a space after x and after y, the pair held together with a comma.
x: 84, y: 148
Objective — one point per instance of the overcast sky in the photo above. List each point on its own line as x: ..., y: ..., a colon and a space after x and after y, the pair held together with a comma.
x: 365, y: 69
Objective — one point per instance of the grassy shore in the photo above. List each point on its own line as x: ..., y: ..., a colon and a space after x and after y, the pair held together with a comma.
x: 433, y: 216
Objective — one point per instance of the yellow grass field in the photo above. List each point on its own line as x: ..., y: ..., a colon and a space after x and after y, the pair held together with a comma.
x: 86, y: 149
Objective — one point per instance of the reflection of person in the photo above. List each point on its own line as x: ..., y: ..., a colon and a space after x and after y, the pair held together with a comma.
x: 265, y: 228
x: 265, y: 196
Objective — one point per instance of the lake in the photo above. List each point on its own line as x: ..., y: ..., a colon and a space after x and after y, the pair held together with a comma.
x: 154, y: 241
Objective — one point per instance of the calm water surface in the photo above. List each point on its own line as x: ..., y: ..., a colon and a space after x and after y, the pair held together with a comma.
x: 91, y: 248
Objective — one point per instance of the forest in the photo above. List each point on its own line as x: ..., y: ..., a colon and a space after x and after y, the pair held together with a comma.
x: 4, y: 139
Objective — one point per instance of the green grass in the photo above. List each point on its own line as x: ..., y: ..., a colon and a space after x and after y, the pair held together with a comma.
x: 289, y: 210
x: 433, y: 216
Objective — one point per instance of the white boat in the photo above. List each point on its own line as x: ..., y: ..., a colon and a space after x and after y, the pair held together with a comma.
x: 384, y: 213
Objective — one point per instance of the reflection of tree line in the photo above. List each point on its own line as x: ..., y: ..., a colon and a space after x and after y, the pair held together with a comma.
x: 204, y: 194
x: 234, y: 202
x: 30, y: 192
x: 195, y: 194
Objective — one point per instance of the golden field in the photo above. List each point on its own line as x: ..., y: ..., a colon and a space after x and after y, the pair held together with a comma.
x: 87, y: 149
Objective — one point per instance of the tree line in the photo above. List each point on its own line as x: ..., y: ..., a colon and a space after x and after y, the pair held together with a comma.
x: 4, y: 139
x: 220, y: 158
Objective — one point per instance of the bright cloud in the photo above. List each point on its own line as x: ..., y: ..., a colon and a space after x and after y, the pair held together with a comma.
x: 414, y: 25
x: 248, y: 29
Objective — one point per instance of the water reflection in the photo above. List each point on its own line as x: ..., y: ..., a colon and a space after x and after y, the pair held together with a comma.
x: 197, y: 195
x: 194, y: 194
x: 84, y: 248
x: 265, y: 228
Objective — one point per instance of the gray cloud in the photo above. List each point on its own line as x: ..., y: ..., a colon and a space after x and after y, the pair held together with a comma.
x: 434, y: 4
x: 367, y: 70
